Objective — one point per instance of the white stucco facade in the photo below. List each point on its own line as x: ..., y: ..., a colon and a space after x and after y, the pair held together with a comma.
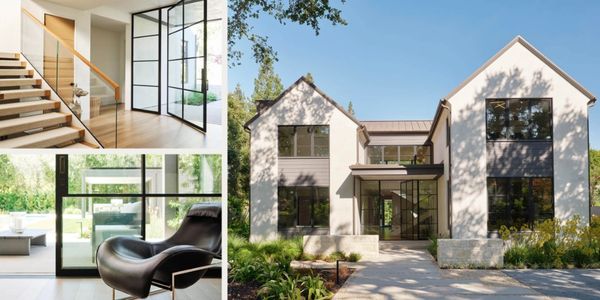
x: 302, y: 105
x: 457, y: 136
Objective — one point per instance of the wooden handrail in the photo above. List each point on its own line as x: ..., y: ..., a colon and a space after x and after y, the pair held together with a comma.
x: 95, y: 69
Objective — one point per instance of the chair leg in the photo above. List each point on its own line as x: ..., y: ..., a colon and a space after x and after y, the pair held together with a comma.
x: 113, y: 294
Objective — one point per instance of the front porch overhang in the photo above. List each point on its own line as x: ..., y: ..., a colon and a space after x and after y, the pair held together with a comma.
x: 397, y: 172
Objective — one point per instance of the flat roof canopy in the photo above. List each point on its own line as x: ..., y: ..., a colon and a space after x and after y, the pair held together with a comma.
x: 397, y: 172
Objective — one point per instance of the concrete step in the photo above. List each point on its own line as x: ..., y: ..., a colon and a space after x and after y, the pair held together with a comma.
x: 18, y: 125
x: 45, y: 139
x: 25, y: 107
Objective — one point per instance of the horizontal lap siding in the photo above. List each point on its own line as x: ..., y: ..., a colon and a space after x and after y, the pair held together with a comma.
x: 519, y: 159
x: 304, y: 172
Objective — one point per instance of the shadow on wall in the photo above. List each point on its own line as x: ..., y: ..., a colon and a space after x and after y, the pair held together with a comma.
x: 301, y: 105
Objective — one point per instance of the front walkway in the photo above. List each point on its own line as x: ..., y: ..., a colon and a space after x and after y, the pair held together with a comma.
x: 571, y: 284
x: 409, y: 272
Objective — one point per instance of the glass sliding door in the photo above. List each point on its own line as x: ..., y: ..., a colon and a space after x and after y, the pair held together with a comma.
x: 146, y: 66
x: 143, y: 196
x: 187, y: 59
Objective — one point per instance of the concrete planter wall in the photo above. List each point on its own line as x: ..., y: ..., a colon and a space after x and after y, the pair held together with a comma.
x: 365, y: 245
x: 474, y: 253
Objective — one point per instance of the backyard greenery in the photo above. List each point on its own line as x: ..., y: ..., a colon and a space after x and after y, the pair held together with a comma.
x: 26, y: 184
x: 196, y: 99
x: 595, y: 176
x: 553, y: 245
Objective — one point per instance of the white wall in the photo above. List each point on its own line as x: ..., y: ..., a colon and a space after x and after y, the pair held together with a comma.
x: 108, y: 53
x: 10, y: 31
x: 302, y: 105
x: 516, y: 74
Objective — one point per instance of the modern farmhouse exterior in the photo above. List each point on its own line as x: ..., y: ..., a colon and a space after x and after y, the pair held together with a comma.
x: 508, y: 146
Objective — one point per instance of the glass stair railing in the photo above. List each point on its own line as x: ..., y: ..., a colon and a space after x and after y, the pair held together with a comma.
x: 91, y: 95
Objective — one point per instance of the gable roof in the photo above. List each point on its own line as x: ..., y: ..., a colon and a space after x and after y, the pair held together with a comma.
x: 289, y: 89
x: 398, y: 126
x: 519, y: 39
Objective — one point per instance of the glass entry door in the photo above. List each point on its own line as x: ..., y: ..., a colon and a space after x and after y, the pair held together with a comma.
x: 187, y: 59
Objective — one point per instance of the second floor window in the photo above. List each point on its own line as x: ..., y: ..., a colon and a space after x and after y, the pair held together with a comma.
x: 399, y: 155
x: 303, y: 141
x: 519, y: 119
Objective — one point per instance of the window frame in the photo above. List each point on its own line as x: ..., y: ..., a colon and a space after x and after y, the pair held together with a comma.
x: 507, y: 119
x: 529, y: 210
x: 413, y: 160
x: 314, y: 192
x: 312, y: 129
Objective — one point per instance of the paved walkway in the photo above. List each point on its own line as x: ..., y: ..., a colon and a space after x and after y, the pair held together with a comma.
x: 561, y: 284
x: 409, y: 273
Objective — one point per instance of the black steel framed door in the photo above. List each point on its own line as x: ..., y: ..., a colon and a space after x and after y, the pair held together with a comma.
x: 146, y: 48
x: 187, y: 59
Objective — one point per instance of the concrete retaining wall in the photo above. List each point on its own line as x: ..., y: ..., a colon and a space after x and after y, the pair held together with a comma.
x: 488, y: 253
x: 365, y: 245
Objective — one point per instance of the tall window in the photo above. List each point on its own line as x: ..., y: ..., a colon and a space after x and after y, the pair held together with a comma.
x: 519, y: 119
x: 303, y: 141
x: 403, y: 155
x: 303, y: 206
x: 519, y: 201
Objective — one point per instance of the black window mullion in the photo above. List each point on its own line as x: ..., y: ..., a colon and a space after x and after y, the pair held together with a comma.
x: 143, y: 178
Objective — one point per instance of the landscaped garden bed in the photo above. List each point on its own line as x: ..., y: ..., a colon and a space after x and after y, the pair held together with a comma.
x: 263, y: 271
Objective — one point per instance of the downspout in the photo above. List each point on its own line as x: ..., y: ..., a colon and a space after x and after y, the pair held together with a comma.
x: 590, y: 104
x: 449, y: 187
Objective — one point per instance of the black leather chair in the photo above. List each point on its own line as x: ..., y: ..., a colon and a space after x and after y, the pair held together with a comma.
x: 132, y: 265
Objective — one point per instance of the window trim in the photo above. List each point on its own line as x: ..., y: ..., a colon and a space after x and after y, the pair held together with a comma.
x: 312, y: 142
x: 509, y: 194
x: 507, y: 119
x: 314, y: 193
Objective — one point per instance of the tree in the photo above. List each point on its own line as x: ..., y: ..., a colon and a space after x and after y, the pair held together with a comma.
x: 302, y: 12
x: 267, y: 85
x: 350, y: 108
x: 309, y: 77
x: 238, y: 158
x: 595, y: 176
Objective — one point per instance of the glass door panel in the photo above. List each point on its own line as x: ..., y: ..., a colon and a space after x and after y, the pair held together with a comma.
x: 187, y: 96
x: 146, y: 52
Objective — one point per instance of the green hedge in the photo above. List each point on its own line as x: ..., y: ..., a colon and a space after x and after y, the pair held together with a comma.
x: 554, y: 245
x: 29, y: 202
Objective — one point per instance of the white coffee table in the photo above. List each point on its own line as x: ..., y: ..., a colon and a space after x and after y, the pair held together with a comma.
x: 12, y: 243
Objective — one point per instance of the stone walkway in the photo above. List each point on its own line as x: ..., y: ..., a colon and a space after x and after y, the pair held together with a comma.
x: 409, y: 273
x: 561, y: 284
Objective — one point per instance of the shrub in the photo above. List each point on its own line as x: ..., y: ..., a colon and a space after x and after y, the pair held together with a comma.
x: 314, y: 288
x: 338, y: 255
x: 433, y: 246
x: 285, y: 287
x: 354, y: 257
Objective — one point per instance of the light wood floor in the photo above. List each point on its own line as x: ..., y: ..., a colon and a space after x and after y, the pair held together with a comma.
x: 146, y: 130
x: 46, y: 287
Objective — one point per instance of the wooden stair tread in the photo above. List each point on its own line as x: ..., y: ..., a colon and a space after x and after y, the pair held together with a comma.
x: 31, y: 106
x: 12, y: 64
x: 16, y: 72
x: 16, y: 125
x: 6, y: 82
x: 82, y: 145
x: 23, y: 93
x: 9, y: 55
x: 44, y: 139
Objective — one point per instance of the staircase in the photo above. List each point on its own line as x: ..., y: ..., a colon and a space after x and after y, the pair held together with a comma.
x: 28, y: 117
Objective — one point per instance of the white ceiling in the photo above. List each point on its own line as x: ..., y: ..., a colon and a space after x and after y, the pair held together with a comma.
x: 123, y: 5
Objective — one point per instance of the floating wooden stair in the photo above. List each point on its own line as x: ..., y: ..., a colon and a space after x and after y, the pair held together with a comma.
x: 28, y: 118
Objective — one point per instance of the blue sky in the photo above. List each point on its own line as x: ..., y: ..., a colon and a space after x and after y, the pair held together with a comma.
x: 396, y: 59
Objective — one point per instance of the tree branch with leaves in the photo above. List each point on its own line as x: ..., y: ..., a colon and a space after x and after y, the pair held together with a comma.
x: 303, y: 12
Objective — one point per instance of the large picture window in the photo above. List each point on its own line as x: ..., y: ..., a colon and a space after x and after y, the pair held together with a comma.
x: 403, y: 155
x: 303, y: 206
x: 519, y: 201
x: 519, y: 119
x: 303, y: 141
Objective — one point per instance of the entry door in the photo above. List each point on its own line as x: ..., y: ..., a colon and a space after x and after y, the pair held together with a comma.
x: 58, y: 61
x: 186, y: 68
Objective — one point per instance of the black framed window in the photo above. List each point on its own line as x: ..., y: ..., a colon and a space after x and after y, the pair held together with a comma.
x: 303, y: 141
x: 519, y: 119
x: 305, y: 206
x: 403, y: 155
x: 519, y: 201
